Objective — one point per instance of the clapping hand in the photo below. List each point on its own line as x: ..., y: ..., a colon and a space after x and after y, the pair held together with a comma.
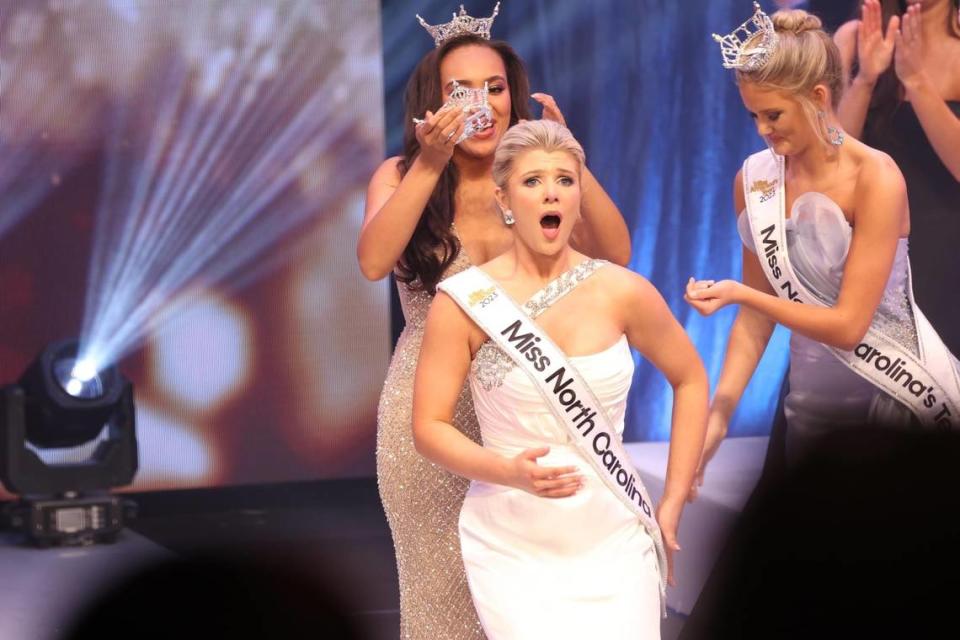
x: 908, y: 57
x: 874, y: 47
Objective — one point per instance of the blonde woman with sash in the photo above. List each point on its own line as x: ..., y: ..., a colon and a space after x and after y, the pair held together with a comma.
x: 824, y: 221
x: 558, y: 535
x: 431, y: 213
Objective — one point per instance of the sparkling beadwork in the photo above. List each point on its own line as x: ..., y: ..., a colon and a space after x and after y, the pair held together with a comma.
x: 894, y: 317
x: 421, y: 500
x: 491, y: 365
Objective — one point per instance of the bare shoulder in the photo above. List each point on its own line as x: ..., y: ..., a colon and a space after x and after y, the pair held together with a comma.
x: 878, y: 172
x: 445, y: 309
x: 627, y: 286
x: 383, y: 183
x: 446, y: 317
x: 881, y: 192
x: 388, y: 173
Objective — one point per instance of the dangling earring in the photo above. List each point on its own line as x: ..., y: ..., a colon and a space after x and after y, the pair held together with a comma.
x: 508, y: 217
x: 834, y: 135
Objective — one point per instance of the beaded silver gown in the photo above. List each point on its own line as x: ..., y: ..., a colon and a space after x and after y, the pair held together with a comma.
x: 422, y: 500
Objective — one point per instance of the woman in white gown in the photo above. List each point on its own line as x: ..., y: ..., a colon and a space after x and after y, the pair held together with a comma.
x: 842, y: 208
x: 550, y: 550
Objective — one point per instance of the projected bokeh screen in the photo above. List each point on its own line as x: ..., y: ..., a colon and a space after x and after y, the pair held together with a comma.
x: 181, y: 187
x: 182, y: 184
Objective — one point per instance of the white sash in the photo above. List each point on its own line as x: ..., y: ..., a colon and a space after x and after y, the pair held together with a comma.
x: 928, y: 385
x: 564, y: 390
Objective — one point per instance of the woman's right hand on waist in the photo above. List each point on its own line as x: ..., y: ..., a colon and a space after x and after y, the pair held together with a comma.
x: 524, y: 473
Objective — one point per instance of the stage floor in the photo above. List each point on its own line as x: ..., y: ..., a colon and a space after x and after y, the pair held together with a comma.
x: 336, y: 528
x: 42, y: 589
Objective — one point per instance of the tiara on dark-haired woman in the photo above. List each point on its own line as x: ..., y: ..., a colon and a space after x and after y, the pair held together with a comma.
x: 461, y: 25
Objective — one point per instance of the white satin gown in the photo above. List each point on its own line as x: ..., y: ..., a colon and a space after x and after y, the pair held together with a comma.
x: 569, y: 568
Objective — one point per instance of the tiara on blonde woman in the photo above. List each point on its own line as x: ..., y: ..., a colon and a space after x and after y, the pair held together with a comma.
x: 749, y: 46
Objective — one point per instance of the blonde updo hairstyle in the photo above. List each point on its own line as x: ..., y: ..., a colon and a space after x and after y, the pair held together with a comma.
x: 543, y: 135
x: 805, y: 56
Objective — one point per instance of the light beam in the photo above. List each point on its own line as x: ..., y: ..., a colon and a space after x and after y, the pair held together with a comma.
x: 203, y: 176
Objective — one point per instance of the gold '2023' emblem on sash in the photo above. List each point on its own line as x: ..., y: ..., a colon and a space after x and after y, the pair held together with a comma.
x: 766, y: 188
x: 484, y: 296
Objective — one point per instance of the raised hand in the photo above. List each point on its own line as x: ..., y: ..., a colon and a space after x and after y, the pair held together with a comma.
x: 546, y: 482
x: 550, y: 109
x: 908, y: 61
x: 874, y: 47
x: 437, y: 134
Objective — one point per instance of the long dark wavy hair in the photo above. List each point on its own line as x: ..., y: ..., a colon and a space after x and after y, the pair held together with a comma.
x: 888, y: 93
x: 433, y: 245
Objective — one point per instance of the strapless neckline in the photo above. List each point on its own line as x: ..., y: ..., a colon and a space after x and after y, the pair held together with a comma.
x: 819, y: 238
x: 806, y: 197
x: 619, y: 344
x: 832, y: 207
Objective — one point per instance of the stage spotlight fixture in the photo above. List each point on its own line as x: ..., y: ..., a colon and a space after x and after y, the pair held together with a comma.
x: 64, y: 401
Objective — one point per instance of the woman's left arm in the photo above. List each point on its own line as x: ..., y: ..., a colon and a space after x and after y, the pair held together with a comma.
x: 881, y: 203
x: 656, y: 334
x: 602, y: 231
x: 940, y: 125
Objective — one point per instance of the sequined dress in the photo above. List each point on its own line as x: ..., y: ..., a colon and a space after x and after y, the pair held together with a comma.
x: 565, y: 569
x: 824, y: 393
x: 422, y: 501
x: 934, y: 216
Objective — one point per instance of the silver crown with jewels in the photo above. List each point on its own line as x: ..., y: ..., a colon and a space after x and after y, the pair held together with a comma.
x: 749, y: 46
x: 473, y: 102
x: 461, y: 25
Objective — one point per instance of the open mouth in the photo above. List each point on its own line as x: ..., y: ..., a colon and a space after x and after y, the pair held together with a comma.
x: 485, y: 132
x: 550, y: 221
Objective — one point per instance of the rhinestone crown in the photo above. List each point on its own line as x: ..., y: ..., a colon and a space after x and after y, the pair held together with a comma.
x: 461, y: 24
x: 473, y: 102
x: 749, y: 46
